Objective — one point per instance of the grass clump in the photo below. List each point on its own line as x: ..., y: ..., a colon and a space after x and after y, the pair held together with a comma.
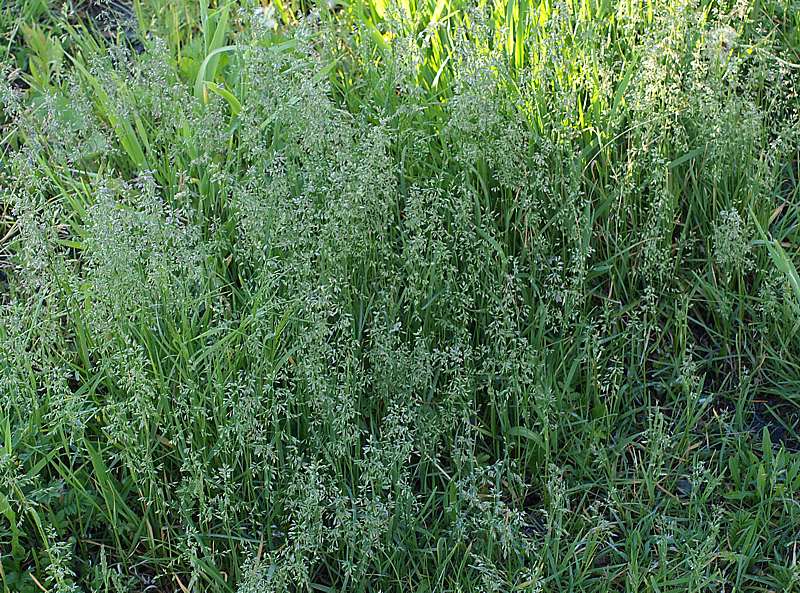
x: 427, y: 296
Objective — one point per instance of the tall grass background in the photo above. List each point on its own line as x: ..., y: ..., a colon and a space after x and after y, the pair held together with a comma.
x: 400, y: 296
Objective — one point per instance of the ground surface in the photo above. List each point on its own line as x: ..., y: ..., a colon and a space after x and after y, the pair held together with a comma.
x: 418, y: 296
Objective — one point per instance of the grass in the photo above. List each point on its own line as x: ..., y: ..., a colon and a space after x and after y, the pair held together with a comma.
x: 400, y: 296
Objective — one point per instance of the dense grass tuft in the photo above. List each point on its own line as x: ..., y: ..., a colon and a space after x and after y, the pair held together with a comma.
x: 425, y: 295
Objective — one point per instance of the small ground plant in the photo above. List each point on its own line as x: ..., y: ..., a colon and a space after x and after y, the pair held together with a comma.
x: 413, y: 295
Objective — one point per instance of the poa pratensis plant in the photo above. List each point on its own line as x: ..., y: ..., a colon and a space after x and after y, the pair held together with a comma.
x: 378, y: 296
